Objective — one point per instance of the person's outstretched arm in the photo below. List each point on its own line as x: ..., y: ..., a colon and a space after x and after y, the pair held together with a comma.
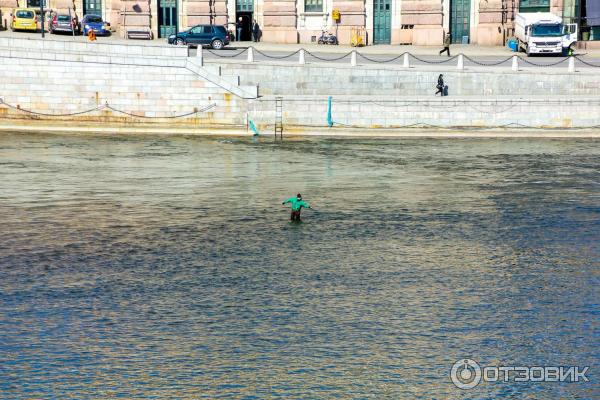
x: 287, y: 201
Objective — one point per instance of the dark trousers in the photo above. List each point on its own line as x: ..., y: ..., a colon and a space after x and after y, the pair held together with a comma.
x: 295, y: 216
x: 445, y: 49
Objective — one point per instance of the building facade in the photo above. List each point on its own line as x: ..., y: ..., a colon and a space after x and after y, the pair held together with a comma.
x: 417, y: 22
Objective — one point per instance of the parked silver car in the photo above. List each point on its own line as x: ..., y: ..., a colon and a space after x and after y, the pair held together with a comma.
x: 64, y: 23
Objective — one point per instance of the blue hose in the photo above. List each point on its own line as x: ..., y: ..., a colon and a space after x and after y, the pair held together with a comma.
x: 329, y: 119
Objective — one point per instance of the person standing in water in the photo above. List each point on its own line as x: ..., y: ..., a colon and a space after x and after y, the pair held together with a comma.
x: 297, y: 205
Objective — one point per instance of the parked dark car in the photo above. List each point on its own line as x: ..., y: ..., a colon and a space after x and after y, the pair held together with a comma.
x: 95, y: 22
x: 64, y: 23
x: 215, y: 36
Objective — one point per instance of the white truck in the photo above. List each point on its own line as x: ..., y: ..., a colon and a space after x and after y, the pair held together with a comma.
x: 544, y: 33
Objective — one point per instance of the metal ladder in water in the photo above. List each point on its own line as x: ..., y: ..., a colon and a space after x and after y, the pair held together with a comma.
x: 279, y: 117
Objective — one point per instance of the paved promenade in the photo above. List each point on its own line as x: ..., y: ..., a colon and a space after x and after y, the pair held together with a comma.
x: 469, y: 50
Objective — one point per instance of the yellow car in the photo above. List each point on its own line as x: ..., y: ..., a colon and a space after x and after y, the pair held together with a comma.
x: 24, y: 19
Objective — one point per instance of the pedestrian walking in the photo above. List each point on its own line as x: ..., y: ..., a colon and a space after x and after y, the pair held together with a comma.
x: 255, y: 31
x: 440, y: 85
x: 238, y: 26
x: 446, y: 48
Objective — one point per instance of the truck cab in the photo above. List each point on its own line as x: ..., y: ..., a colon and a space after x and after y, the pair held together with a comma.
x: 544, y: 33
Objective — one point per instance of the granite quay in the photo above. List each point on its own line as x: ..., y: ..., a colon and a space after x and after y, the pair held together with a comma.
x: 75, y: 85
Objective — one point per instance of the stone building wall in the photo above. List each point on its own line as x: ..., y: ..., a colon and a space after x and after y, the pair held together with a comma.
x: 417, y: 22
x: 425, y: 16
x: 352, y: 13
x: 279, y: 21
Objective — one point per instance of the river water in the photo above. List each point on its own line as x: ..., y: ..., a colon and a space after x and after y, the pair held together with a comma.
x: 165, y: 267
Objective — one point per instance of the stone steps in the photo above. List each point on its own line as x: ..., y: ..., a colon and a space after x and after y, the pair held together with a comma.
x: 383, y: 81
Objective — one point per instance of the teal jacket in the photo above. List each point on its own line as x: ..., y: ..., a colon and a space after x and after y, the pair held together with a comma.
x: 296, y: 204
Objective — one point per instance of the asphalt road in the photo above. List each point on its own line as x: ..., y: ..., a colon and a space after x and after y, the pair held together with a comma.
x: 234, y: 53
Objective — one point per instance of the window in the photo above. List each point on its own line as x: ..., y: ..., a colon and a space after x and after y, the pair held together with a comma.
x: 534, y: 5
x: 313, y: 5
x: 94, y: 19
x: 196, y: 30
x: 25, y: 14
x: 207, y: 29
x: 244, y: 5
x: 33, y: 3
x: 547, y: 30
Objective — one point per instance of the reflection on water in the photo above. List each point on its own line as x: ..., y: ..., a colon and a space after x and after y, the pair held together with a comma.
x: 159, y: 267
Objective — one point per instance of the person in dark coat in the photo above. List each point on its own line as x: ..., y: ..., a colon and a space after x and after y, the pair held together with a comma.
x: 440, y: 85
x: 255, y: 31
x: 239, y: 25
x: 446, y: 48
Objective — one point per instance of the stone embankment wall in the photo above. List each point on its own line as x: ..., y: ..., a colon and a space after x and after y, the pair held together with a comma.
x: 100, y: 85
x: 342, y: 79
x: 88, y: 82
x: 307, y: 112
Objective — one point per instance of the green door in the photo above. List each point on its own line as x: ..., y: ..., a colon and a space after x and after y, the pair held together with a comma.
x: 167, y: 17
x: 382, y: 21
x: 460, y: 15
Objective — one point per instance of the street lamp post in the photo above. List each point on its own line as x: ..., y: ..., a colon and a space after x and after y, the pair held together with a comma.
x: 42, y: 15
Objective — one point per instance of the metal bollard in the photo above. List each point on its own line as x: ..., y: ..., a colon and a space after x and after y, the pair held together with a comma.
x: 461, y: 62
x: 571, y: 64
x: 301, y: 59
x: 406, y: 63
x: 200, y: 56
x: 250, y: 55
x: 353, y: 58
x: 515, y: 63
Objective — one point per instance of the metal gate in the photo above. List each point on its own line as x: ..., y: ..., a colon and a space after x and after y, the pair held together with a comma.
x: 167, y: 17
x: 92, y: 7
x: 382, y: 21
x: 460, y: 16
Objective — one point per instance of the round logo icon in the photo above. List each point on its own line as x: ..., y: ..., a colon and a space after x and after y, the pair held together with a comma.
x: 465, y: 374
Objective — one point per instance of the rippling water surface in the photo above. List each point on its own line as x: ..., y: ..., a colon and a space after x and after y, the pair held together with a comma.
x: 165, y: 267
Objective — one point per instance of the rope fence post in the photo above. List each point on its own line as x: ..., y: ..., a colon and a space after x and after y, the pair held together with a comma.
x: 353, y: 58
x: 460, y: 65
x: 515, y: 63
x: 200, y: 56
x: 406, y: 62
x: 250, y: 54
x: 301, y: 59
x: 571, y: 64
